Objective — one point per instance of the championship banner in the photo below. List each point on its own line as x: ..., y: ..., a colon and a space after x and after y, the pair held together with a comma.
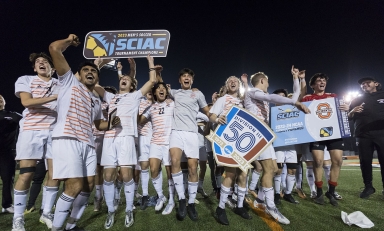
x: 126, y: 44
x: 240, y: 141
x: 325, y: 122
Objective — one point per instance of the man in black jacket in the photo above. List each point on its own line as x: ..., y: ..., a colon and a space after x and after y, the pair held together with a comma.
x: 367, y: 113
x: 9, y: 127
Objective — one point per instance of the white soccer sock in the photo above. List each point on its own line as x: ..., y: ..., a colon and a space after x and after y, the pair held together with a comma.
x: 290, y: 183
x: 201, y: 183
x: 171, y: 188
x: 20, y: 202
x: 119, y: 185
x: 310, y: 178
x: 129, y: 190
x: 50, y: 198
x: 109, y: 195
x: 44, y: 196
x: 284, y: 176
x: 269, y: 197
x: 192, y: 190
x: 78, y: 208
x: 179, y: 186
x: 240, y: 196
x: 224, y: 192
x: 98, y: 192
x: 158, y: 185
x: 255, y: 179
x: 299, y: 176
x: 277, y: 180
x: 218, y: 181
x: 185, y: 179
x: 260, y: 194
x: 144, y: 176
x: 63, y: 205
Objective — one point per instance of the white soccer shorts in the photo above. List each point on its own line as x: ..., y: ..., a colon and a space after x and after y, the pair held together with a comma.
x: 186, y: 141
x: 98, y: 146
x: 119, y: 151
x: 160, y: 152
x: 34, y: 145
x: 144, y: 144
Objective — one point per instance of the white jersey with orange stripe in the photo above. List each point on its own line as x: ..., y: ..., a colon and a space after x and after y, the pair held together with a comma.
x: 161, y: 115
x: 146, y: 129
x: 104, y: 110
x: 41, y: 117
x: 77, y: 109
x: 224, y: 103
x: 127, y: 109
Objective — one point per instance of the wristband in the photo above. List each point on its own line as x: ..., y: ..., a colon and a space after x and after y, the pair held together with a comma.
x: 119, y: 72
x: 217, y: 120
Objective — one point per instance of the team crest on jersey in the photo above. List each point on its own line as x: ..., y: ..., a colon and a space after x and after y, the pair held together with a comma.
x: 128, y: 43
x: 241, y: 140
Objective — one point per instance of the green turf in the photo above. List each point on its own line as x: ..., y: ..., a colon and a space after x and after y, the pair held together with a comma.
x: 304, y: 216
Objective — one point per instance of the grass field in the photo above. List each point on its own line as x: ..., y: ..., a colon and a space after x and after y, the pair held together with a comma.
x: 304, y: 216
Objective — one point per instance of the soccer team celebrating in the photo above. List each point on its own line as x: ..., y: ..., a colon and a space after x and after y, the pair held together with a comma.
x: 103, y: 138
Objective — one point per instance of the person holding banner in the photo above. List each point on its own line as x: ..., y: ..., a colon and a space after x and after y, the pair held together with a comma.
x: 184, y: 138
x: 257, y: 102
x: 119, y: 145
x: 218, y: 115
x: 318, y: 83
x: 367, y: 113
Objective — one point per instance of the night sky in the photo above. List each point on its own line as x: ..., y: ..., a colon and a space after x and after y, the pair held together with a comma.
x: 216, y: 39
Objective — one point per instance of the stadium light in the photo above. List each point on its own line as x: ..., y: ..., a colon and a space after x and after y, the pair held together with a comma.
x: 351, y: 96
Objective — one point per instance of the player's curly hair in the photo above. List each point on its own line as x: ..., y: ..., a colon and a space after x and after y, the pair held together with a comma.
x: 157, y: 85
x: 34, y: 56
x: 315, y: 76
x: 187, y: 71
x: 88, y: 63
x: 238, y: 90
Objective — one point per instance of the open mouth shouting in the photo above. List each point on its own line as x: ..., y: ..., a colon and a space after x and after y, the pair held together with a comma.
x: 90, y: 77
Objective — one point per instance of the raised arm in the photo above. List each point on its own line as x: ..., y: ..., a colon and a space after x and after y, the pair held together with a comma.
x: 28, y: 101
x: 100, y: 90
x: 296, y: 87
x: 303, y: 85
x: 244, y: 79
x: 132, y: 67
x: 152, y: 77
x: 119, y: 70
x: 56, y: 50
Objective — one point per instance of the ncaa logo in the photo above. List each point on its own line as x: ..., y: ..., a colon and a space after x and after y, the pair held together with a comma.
x: 324, y: 111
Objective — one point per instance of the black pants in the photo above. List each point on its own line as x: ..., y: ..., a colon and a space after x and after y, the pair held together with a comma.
x: 366, y: 147
x: 7, y: 173
x: 212, y: 166
x: 38, y: 179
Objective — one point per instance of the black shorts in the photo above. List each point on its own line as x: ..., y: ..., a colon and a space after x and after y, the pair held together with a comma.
x: 330, y: 144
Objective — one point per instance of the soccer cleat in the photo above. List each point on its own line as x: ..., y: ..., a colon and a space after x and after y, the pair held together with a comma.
x: 289, y: 198
x: 196, y: 201
x: 18, y: 224
x: 313, y: 195
x: 29, y: 210
x: 160, y: 203
x: 47, y: 219
x: 331, y: 198
x: 319, y: 199
x: 301, y: 193
x: 110, y: 220
x: 277, y: 199
x: 168, y: 209
x: 97, y: 205
x: 231, y: 202
x: 337, y: 196
x: 8, y: 210
x: 221, y: 216
x: 367, y: 192
x: 144, y: 203
x: 275, y: 213
x: 128, y: 219
x: 242, y: 212
x: 257, y: 203
x: 182, y: 210
x: 192, y: 213
x: 202, y: 192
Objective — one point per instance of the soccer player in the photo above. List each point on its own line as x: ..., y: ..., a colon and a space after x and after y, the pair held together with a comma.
x: 257, y: 101
x: 119, y: 145
x: 34, y: 142
x: 318, y: 83
x: 73, y: 148
x: 9, y: 127
x: 161, y: 115
x: 218, y: 115
x: 184, y: 138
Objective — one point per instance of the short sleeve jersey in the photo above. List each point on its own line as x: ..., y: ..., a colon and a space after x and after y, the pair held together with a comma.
x: 161, y: 115
x: 77, y: 109
x: 311, y: 97
x: 41, y: 117
x: 146, y: 129
x: 127, y: 105
x: 257, y: 107
x: 224, y: 103
x: 104, y: 110
x: 187, y: 104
